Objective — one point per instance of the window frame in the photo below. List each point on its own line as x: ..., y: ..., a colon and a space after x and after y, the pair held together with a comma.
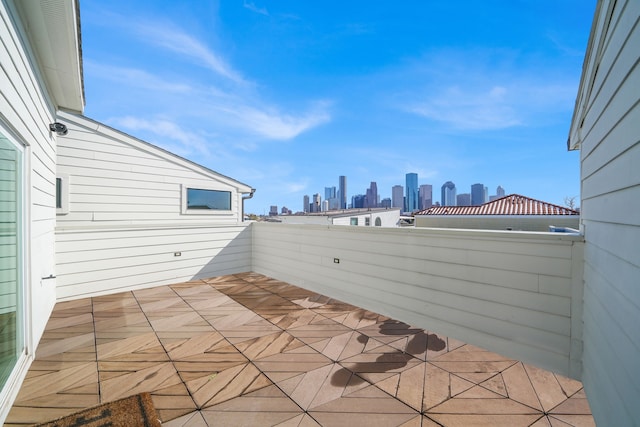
x: 183, y: 202
x: 63, y: 190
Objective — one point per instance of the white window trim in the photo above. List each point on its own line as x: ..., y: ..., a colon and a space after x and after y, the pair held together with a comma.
x: 64, y: 194
x: 209, y: 212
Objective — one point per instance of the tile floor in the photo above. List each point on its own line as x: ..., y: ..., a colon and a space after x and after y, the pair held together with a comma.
x: 248, y: 350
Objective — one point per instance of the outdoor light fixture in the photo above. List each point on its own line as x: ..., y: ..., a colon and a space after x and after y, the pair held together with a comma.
x: 58, y: 128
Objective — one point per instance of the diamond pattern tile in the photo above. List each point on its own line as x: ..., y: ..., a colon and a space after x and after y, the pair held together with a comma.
x: 249, y: 350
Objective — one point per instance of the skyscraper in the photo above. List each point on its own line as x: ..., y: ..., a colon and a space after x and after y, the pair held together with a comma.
x: 448, y: 194
x: 329, y: 193
x: 305, y: 204
x: 342, y: 185
x: 500, y: 191
x: 397, y: 196
x: 316, y: 205
x: 463, y: 199
x: 372, y: 196
x: 477, y: 194
x: 411, y: 200
x: 425, y: 199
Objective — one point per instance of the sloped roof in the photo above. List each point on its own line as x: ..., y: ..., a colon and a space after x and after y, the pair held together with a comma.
x: 513, y: 204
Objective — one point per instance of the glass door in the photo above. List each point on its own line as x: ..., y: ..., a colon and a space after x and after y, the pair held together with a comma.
x: 11, y: 307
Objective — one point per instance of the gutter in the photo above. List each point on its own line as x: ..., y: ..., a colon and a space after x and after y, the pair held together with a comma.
x: 253, y: 190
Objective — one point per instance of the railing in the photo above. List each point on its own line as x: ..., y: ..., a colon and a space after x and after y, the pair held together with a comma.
x: 516, y: 293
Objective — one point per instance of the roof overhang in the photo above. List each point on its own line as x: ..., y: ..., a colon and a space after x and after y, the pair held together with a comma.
x: 589, y: 68
x: 53, y: 29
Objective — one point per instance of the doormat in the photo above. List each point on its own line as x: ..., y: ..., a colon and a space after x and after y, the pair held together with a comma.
x: 132, y: 411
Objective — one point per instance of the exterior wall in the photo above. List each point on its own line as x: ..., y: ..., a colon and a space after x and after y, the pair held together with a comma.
x: 606, y: 128
x: 516, y: 293
x: 25, y: 113
x: 125, y: 219
x: 95, y: 261
x: 524, y: 223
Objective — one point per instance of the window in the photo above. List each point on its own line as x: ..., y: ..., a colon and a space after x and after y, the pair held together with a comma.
x: 378, y: 222
x: 205, y: 201
x: 354, y: 221
x: 367, y: 221
x: 62, y: 194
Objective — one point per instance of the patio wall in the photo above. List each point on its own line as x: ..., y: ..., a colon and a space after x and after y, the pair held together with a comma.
x: 517, y: 293
x: 100, y: 260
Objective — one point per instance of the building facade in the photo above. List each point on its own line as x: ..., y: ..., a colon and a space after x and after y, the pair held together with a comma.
x: 478, y: 194
x: 397, y: 196
x: 425, y: 193
x: 411, y: 200
x: 342, y: 191
x: 448, y: 194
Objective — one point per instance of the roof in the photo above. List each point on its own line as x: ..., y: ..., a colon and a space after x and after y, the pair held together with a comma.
x: 513, y: 204
x: 53, y: 29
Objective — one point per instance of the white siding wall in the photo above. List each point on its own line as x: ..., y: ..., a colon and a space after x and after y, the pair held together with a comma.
x: 607, y: 125
x: 99, y: 261
x: 125, y: 220
x: 26, y: 113
x: 516, y: 293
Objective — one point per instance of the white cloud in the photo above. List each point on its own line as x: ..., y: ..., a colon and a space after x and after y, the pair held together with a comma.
x: 252, y: 7
x: 470, y: 109
x: 275, y: 125
x: 135, y: 77
x: 176, y: 40
x: 483, y: 90
x: 165, y: 129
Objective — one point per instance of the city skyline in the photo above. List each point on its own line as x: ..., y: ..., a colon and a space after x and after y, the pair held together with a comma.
x: 285, y: 96
x: 362, y: 197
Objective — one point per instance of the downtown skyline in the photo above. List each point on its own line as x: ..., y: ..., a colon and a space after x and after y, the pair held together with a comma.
x: 332, y: 192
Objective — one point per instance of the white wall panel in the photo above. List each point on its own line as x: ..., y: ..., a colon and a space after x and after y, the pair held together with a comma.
x: 97, y: 261
x: 506, y: 291
x: 606, y: 128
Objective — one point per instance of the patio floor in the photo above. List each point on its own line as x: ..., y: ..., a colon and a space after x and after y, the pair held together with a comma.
x: 249, y: 350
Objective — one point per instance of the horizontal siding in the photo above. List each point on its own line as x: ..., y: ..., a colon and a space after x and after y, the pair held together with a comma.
x: 115, y: 179
x: 26, y: 111
x: 98, y: 261
x: 510, y: 292
x: 609, y: 140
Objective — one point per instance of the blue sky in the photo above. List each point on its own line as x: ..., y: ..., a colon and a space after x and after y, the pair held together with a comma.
x: 285, y: 96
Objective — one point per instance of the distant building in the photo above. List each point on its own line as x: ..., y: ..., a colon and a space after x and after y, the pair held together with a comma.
x: 513, y: 212
x: 397, y: 196
x: 448, y: 193
x: 316, y: 204
x: 411, y: 198
x: 385, y: 203
x: 329, y: 193
x: 463, y: 199
x: 285, y: 211
x: 357, y: 201
x: 499, y: 193
x: 342, y: 189
x: 273, y: 210
x: 377, y: 217
x: 372, y: 196
x: 425, y: 196
x: 477, y: 194
x: 305, y: 204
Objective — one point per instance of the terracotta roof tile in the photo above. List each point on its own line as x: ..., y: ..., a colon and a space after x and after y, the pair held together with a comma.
x: 513, y: 204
